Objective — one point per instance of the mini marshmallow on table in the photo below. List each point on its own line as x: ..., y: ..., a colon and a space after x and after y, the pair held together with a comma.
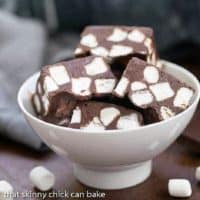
x: 6, y: 190
x: 179, y: 188
x: 42, y: 178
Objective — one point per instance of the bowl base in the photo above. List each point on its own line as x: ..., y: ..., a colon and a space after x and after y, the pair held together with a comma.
x: 111, y: 178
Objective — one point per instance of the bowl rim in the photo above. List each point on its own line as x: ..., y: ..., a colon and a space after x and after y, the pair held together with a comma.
x: 108, y: 132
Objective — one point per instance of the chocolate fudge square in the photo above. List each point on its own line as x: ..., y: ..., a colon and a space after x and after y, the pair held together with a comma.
x: 158, y: 94
x: 61, y: 85
x: 118, y: 44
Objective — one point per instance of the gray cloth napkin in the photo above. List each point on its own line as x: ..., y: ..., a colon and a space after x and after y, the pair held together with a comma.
x: 22, y: 45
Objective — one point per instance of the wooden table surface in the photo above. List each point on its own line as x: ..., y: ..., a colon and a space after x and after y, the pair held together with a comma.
x: 176, y: 162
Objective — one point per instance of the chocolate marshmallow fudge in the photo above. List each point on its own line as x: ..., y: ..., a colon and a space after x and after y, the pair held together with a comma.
x: 118, y: 43
x: 100, y: 116
x: 157, y: 93
x: 115, y: 66
x: 61, y: 85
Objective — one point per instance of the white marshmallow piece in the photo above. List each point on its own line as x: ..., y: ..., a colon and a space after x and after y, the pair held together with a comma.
x: 136, y: 36
x: 137, y: 85
x: 6, y: 190
x: 148, y: 43
x: 120, y: 50
x: 197, y: 174
x: 104, y: 86
x: 107, y: 115
x: 97, y: 66
x: 128, y: 121
x: 142, y: 97
x: 59, y: 74
x: 149, y: 60
x: 94, y: 125
x: 118, y: 35
x: 100, y: 51
x: 37, y: 103
x: 166, y: 112
x: 89, y: 41
x: 42, y: 178
x: 162, y: 91
x: 39, y: 88
x: 45, y: 103
x: 81, y: 86
x: 78, y: 51
x: 151, y: 74
x: 49, y: 85
x: 76, y: 116
x: 154, y: 59
x: 179, y: 188
x: 183, y: 97
x: 63, y: 122
x: 121, y: 88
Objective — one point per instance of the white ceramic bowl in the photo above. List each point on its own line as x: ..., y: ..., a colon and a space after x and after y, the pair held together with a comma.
x: 111, y: 159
